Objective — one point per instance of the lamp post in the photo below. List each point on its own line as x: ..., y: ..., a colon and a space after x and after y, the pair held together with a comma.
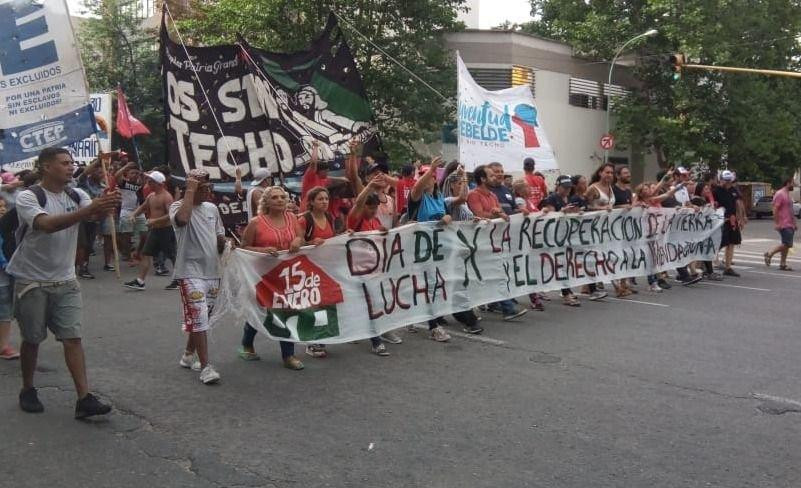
x: 648, y: 33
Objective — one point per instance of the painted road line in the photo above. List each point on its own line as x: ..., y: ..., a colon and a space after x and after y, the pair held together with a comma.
x: 628, y: 300
x: 747, y: 241
x: 749, y: 254
x: 477, y: 338
x: 472, y: 337
x: 734, y: 286
x: 777, y: 399
x: 783, y: 275
x: 744, y: 268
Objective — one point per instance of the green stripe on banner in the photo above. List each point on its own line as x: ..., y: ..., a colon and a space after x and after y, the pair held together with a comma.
x: 340, y: 100
x: 282, y: 76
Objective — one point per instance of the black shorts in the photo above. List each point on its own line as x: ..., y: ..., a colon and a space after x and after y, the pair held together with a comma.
x: 730, y: 236
x: 162, y: 239
x: 87, y: 232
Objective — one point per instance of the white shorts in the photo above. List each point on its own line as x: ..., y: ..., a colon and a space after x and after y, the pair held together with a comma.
x: 197, y: 301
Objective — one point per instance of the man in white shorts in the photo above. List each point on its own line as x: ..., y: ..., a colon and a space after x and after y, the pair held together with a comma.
x: 201, y: 238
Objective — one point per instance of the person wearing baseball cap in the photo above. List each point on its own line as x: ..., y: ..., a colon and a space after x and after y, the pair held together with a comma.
x: 558, y: 201
x: 160, y: 236
x: 729, y: 197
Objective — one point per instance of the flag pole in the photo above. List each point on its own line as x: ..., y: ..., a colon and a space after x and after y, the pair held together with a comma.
x: 110, y: 217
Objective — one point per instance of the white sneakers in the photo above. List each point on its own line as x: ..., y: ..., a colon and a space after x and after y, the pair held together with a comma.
x: 208, y: 375
x: 438, y: 334
x: 189, y: 361
x: 655, y: 288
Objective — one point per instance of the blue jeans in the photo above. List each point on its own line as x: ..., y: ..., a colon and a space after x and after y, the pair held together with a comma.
x: 249, y: 335
x: 507, y: 306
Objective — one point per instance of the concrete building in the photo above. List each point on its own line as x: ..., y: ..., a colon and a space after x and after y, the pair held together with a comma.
x: 571, y: 94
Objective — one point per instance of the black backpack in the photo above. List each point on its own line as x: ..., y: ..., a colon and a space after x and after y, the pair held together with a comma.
x: 307, y: 215
x: 10, y: 228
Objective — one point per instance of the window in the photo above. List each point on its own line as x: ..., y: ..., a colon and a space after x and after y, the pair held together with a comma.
x: 502, y: 78
x: 592, y: 94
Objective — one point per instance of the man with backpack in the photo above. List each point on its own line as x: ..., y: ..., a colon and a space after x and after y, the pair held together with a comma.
x: 46, y: 293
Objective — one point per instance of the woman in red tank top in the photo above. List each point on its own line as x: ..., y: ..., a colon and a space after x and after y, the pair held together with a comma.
x: 316, y: 225
x: 273, y: 230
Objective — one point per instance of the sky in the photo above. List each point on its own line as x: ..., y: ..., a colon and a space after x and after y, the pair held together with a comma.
x: 492, y: 13
x: 495, y: 12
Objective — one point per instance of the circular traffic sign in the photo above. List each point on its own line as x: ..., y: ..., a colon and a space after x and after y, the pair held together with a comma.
x: 607, y: 141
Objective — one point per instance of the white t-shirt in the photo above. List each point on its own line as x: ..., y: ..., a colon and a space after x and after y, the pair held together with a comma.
x: 197, y: 242
x: 682, y: 196
x: 130, y: 197
x: 252, y: 210
x: 42, y: 256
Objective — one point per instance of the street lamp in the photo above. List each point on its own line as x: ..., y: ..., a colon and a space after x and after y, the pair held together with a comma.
x: 648, y: 33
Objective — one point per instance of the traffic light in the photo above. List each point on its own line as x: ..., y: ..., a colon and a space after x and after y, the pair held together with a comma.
x: 676, y: 61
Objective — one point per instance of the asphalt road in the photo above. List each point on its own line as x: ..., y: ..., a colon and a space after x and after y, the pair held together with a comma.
x: 693, y: 387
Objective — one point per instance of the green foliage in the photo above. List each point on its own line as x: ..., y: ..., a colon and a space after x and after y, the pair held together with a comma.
x: 408, y: 30
x: 117, y: 50
x: 749, y: 122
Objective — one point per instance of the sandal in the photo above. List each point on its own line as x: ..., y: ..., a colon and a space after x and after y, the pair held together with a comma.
x: 247, y: 355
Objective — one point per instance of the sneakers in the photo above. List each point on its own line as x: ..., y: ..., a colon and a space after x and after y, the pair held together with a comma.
x: 538, y: 306
x: 411, y: 329
x: 713, y: 276
x: 189, y: 361
x: 731, y: 272
x: 90, y: 406
x: 571, y: 301
x: 515, y: 315
x: 598, y: 295
x: 380, y: 350
x: 108, y: 267
x: 316, y: 351
x: 690, y: 280
x: 162, y: 271
x: 29, y: 401
x: 392, y: 337
x: 655, y: 288
x: 293, y: 363
x: 438, y: 334
x: 472, y: 329
x: 135, y: 284
x: 663, y: 284
x: 209, y: 375
x: 172, y: 286
x: 9, y: 353
x: 83, y: 272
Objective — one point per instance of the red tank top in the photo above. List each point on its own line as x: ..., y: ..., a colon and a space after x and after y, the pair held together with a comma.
x: 268, y: 235
x: 317, y: 232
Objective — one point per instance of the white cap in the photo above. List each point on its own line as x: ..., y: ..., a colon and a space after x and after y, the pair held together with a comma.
x: 260, y: 175
x: 682, y: 170
x: 727, y: 176
x: 157, y: 176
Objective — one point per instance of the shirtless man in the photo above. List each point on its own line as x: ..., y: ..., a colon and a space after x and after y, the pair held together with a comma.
x: 161, y: 236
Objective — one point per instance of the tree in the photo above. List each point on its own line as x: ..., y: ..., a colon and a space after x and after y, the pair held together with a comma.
x: 745, y: 121
x: 407, y: 30
x: 117, y: 50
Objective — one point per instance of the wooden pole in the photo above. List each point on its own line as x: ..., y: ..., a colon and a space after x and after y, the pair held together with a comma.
x: 110, y: 217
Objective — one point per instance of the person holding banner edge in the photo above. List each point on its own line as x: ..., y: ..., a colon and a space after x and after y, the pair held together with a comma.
x: 273, y: 229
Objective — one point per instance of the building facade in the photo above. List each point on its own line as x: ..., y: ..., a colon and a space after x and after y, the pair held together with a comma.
x: 572, y: 95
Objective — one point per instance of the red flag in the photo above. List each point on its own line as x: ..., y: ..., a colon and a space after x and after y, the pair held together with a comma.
x: 128, y: 125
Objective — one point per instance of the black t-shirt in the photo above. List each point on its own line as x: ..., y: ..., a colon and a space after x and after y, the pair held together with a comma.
x: 506, y: 198
x: 622, y: 195
x: 580, y: 202
x: 727, y: 198
x: 553, y: 200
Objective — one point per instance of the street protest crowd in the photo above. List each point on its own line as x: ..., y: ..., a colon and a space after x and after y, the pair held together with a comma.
x: 55, y: 215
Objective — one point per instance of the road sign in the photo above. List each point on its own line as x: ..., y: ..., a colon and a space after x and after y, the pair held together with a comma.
x: 607, y: 141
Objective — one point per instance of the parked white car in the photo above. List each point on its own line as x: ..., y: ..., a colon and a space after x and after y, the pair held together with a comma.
x: 764, y: 208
